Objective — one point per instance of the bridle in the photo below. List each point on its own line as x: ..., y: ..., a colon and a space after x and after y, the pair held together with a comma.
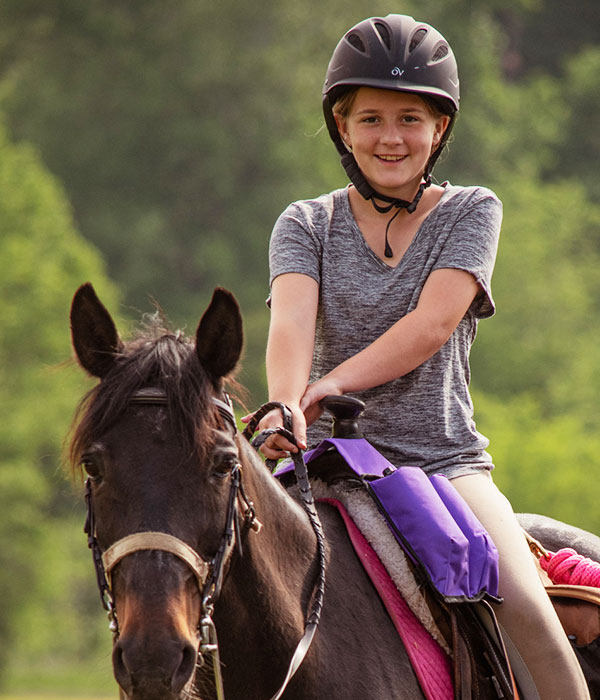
x: 210, y: 574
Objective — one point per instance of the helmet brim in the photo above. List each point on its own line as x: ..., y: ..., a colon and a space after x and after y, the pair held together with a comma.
x: 396, y: 85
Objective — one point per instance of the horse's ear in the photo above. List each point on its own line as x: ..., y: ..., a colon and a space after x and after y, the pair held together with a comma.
x: 220, y: 336
x: 93, y: 332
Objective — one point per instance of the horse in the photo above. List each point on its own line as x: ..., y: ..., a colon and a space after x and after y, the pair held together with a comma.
x: 230, y: 551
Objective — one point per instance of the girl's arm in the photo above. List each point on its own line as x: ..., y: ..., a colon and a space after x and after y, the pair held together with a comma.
x: 294, y: 301
x: 412, y: 340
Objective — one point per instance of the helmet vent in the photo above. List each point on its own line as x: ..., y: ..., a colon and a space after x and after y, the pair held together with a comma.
x: 416, y: 39
x: 384, y: 33
x: 439, y: 53
x: 357, y: 42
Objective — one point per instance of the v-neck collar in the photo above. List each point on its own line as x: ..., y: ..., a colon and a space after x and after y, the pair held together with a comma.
x: 367, y: 248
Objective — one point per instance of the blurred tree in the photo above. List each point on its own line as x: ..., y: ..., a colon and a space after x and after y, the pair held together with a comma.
x: 540, y: 35
x: 579, y: 149
x: 43, y: 260
x: 543, y: 464
x: 544, y: 339
x: 181, y: 129
x: 160, y: 119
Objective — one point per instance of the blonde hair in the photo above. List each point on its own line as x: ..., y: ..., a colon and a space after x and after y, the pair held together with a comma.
x: 343, y: 104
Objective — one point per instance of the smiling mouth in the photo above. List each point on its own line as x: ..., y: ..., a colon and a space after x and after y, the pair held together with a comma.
x: 390, y: 159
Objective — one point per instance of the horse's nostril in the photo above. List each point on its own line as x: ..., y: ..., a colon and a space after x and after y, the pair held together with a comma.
x: 185, y: 669
x: 121, y: 672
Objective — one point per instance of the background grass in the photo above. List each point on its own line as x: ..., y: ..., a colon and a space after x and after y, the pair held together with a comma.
x: 58, y: 697
x: 91, y: 681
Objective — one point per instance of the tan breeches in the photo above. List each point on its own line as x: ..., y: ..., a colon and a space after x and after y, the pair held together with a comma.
x: 526, y: 613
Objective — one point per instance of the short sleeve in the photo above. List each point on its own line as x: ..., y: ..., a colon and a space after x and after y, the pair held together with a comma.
x: 295, y: 245
x: 472, y: 245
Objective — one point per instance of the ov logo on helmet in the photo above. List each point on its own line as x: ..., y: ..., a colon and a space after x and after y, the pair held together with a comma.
x: 397, y: 72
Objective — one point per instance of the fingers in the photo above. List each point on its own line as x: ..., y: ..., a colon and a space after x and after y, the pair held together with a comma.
x: 279, y: 443
x: 278, y: 446
x: 309, y: 403
x: 273, y: 453
x: 313, y: 413
x: 299, y: 426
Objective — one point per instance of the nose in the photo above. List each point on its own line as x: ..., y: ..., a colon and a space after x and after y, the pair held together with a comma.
x: 153, y: 672
x: 391, y: 134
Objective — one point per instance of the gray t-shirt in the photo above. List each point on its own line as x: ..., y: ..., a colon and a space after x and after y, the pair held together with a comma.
x: 424, y: 418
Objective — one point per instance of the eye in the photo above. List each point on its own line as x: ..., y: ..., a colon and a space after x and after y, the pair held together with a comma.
x: 92, y: 464
x: 224, y: 463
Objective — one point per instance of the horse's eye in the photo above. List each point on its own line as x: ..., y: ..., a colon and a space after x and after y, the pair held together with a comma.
x: 91, y: 463
x: 224, y: 464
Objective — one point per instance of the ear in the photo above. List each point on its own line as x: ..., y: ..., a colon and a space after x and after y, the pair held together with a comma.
x: 220, y: 336
x: 343, y: 130
x: 93, y: 332
x: 439, y: 130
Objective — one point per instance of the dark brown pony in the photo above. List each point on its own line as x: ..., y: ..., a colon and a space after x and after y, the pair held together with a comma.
x: 166, y: 466
x: 167, y: 469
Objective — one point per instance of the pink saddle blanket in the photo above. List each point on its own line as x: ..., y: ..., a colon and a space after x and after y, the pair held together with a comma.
x: 430, y: 662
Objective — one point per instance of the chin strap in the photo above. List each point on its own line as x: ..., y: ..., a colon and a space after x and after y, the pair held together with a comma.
x: 399, y: 204
x: 367, y: 192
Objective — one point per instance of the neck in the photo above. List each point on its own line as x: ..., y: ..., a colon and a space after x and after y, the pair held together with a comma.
x: 267, y: 592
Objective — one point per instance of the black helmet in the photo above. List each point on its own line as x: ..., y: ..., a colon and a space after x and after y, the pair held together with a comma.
x: 395, y: 53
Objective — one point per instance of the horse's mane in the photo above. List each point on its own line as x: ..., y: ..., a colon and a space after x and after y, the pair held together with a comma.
x: 156, y: 357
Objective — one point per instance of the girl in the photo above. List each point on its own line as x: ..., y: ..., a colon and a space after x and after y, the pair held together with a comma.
x: 377, y: 290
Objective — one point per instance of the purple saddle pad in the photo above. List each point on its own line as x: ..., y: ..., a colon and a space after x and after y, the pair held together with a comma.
x: 431, y: 521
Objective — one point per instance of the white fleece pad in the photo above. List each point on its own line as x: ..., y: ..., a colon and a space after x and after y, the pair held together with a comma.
x: 371, y: 523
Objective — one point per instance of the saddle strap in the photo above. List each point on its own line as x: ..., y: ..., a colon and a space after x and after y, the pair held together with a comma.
x: 464, y: 662
x: 481, y: 667
x: 578, y: 609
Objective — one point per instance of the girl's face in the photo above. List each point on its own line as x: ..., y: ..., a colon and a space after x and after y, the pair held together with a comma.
x: 392, y: 135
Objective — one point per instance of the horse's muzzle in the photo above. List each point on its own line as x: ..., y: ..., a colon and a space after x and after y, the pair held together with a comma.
x: 147, y: 676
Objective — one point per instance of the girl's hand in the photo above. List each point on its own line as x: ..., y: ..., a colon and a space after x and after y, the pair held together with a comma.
x: 277, y: 446
x: 309, y: 403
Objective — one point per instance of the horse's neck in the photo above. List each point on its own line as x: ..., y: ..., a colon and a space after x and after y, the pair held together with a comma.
x: 267, y: 590
x: 284, y: 549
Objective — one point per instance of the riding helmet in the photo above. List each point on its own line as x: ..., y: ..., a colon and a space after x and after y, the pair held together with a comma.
x: 395, y: 53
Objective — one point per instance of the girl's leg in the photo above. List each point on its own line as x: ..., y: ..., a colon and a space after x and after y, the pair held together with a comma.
x: 526, y: 614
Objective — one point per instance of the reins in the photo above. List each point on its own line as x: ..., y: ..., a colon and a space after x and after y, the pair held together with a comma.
x: 210, y: 574
x: 308, y: 503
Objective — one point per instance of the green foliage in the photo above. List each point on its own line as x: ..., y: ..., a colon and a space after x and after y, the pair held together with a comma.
x: 544, y: 338
x: 179, y: 131
x: 541, y: 460
x: 578, y: 151
x: 43, y: 261
x: 160, y: 157
x: 63, y: 622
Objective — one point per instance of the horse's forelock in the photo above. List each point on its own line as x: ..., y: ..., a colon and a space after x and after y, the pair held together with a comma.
x: 160, y: 359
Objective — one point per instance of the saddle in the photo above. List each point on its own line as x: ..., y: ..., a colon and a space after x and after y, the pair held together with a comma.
x: 453, y: 559
x: 454, y: 564
x: 578, y: 609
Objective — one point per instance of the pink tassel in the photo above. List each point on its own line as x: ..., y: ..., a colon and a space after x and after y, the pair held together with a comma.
x: 566, y: 566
